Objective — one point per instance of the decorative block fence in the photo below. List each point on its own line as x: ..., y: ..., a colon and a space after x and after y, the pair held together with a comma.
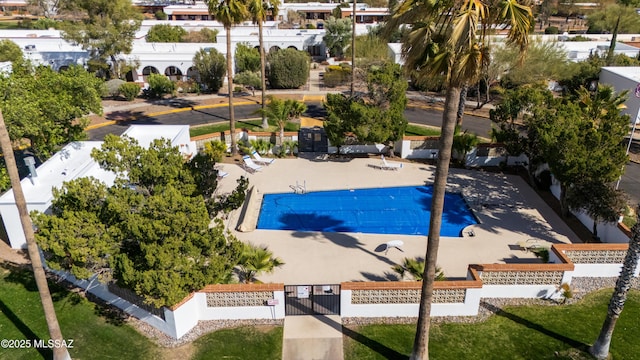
x: 383, y: 299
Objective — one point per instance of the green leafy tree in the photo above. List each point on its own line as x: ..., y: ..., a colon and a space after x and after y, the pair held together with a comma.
x: 10, y: 51
x: 288, y: 69
x: 229, y: 13
x: 256, y: 260
x: 600, y: 349
x: 545, y: 60
x: 602, y: 202
x: 166, y: 33
x: 415, y: 268
x: 49, y: 108
x: 160, y: 85
x: 582, y: 140
x: 605, y: 19
x: 212, y: 67
x: 376, y: 117
x: 456, y: 47
x: 75, y: 238
x: 337, y: 35
x: 105, y: 28
x: 151, y: 228
x: 247, y: 58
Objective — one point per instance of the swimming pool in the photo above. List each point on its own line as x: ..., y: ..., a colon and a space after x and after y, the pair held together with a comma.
x: 395, y: 210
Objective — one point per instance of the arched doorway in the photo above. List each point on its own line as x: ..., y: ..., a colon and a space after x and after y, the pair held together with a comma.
x: 148, y: 70
x: 173, y: 73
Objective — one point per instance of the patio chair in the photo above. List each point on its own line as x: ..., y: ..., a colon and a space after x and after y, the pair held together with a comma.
x: 222, y: 174
x: 249, y: 165
x: 260, y: 160
x: 386, y: 165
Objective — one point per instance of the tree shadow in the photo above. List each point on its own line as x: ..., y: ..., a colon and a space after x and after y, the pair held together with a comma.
x: 177, y: 103
x: 536, y: 327
x: 24, y: 329
x: 125, y: 115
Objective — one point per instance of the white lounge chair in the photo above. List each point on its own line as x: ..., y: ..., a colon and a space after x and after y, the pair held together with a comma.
x: 260, y: 160
x: 222, y: 174
x: 249, y: 165
x: 394, y: 244
x: 386, y: 165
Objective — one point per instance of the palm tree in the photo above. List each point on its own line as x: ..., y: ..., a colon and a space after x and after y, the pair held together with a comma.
x: 229, y: 13
x: 59, y: 353
x: 600, y: 349
x: 278, y: 112
x: 415, y: 268
x: 256, y: 260
x: 445, y: 40
x: 296, y: 108
x: 463, y: 142
x: 259, y: 9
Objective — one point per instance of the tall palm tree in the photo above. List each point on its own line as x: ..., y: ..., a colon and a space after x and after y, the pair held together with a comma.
x: 59, y: 353
x: 259, y: 9
x: 600, y: 349
x: 444, y: 39
x: 229, y: 13
x: 256, y: 260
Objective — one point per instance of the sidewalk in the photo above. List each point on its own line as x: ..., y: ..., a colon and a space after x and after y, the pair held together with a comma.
x: 317, y: 337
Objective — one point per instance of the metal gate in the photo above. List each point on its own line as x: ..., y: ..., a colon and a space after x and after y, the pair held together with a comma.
x: 312, y: 299
x: 313, y: 140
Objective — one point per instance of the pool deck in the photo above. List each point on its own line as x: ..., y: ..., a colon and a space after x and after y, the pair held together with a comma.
x: 509, y: 211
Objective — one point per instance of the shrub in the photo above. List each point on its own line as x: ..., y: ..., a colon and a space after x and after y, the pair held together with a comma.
x: 334, y: 78
x: 262, y: 146
x: 113, y: 87
x: 44, y: 24
x: 129, y: 90
x: 551, y: 30
x: 311, y: 26
x: 159, y: 85
x: 215, y: 149
x: 160, y: 15
x: 203, y: 36
x: 288, y: 69
x: 248, y: 78
x: 165, y: 33
x: 188, y: 86
x: 247, y: 58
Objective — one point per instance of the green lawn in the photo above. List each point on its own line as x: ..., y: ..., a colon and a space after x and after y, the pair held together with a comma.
x: 418, y: 130
x: 251, y: 124
x: 248, y: 343
x: 95, y: 336
x: 9, y: 25
x: 531, y: 332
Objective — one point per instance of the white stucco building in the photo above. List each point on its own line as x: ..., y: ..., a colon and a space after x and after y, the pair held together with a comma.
x: 72, y: 162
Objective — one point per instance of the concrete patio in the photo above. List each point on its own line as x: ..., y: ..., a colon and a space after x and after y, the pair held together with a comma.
x: 509, y: 211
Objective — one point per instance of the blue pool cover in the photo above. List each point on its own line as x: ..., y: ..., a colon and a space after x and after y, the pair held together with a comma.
x: 397, y: 210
